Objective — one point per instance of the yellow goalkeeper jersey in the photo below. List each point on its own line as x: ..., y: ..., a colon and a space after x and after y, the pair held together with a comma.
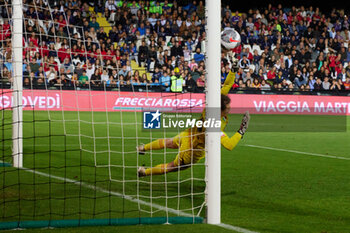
x: 191, y: 142
x: 226, y: 141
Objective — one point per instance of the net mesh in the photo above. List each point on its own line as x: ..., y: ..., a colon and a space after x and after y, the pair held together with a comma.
x: 83, y: 104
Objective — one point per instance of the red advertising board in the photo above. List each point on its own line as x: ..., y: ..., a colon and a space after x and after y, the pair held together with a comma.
x: 130, y: 101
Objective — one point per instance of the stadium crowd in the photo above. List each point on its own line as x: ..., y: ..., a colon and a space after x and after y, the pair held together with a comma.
x: 294, y: 48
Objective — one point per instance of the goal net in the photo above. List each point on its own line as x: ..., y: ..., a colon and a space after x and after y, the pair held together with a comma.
x: 74, y: 108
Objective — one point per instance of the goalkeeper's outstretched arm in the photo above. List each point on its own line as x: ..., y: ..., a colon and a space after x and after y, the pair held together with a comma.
x: 226, y: 87
x: 231, y: 142
x: 230, y: 79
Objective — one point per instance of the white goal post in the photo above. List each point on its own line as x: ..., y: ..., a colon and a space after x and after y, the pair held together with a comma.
x: 213, y: 96
x: 17, y: 112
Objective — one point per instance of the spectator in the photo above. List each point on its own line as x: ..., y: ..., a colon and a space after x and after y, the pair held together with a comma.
x: 34, y: 66
x: 326, y: 84
x: 311, y: 82
x: 94, y: 24
x: 104, y: 76
x: 264, y: 86
x: 279, y: 76
x: 95, y: 78
x: 347, y: 83
x: 113, y: 34
x: 142, y: 29
x: 165, y: 81
x: 79, y: 69
x: 284, y: 85
x: 67, y: 67
x: 84, y: 79
x: 156, y: 75
x: 101, y: 35
x: 75, y: 79
x: 177, y: 81
x: 111, y: 82
x: 246, y: 77
x: 151, y: 59
x: 342, y: 75
x: 62, y: 80
x: 29, y: 81
x: 193, y: 64
x: 300, y: 79
x: 90, y: 70
x: 51, y: 74
x: 337, y: 85
x: 318, y: 85
x: 191, y: 85
x: 223, y: 75
x: 201, y: 81
x: 143, y: 53
x: 244, y: 63
x: 111, y: 5
x: 198, y: 56
x: 196, y: 73
x: 144, y: 78
x: 134, y: 7
x: 271, y: 75
x: 255, y: 84
x: 40, y: 71
x: 176, y: 50
x: 123, y: 72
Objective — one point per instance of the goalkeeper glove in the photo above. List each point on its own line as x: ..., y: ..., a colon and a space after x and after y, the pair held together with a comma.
x: 244, y: 125
x: 234, y: 67
x: 233, y: 61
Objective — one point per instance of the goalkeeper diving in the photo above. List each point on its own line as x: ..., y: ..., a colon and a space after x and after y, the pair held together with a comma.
x: 191, y: 142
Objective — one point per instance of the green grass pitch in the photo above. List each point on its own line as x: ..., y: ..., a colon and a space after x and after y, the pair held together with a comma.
x: 279, y: 180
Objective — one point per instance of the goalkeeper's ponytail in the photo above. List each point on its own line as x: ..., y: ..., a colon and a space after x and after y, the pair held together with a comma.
x: 224, y: 101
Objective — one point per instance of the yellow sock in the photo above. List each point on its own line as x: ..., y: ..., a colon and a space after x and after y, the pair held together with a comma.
x: 155, y: 145
x: 157, y: 170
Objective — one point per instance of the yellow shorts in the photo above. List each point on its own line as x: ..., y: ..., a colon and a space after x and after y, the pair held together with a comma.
x: 190, y: 149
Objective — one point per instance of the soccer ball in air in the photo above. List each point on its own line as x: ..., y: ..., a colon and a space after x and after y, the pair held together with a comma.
x: 230, y: 38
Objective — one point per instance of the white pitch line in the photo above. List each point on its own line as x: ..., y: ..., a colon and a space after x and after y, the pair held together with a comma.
x: 299, y: 152
x: 234, y: 228
x: 132, y: 199
x: 93, y: 187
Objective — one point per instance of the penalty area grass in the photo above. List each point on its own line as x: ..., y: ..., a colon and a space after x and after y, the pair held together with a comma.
x: 266, y: 187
